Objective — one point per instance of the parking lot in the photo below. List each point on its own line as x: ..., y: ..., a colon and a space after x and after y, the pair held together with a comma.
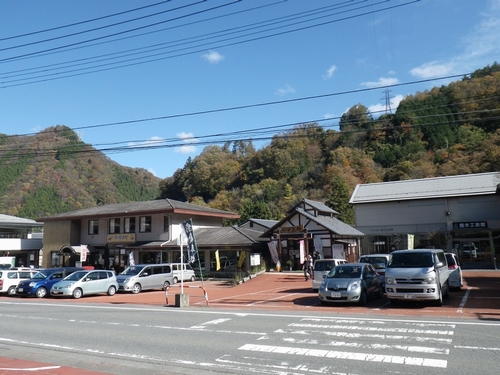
x: 287, y: 291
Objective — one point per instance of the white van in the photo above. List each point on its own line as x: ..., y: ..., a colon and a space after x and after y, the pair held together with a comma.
x: 417, y: 275
x: 321, y: 268
x: 145, y: 276
x: 187, y: 272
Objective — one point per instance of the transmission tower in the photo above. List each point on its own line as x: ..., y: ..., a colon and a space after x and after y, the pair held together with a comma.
x: 387, y: 98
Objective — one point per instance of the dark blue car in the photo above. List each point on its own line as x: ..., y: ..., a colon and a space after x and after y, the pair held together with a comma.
x: 43, y: 280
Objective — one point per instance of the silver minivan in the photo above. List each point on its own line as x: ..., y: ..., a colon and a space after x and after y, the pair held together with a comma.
x: 417, y: 275
x: 82, y: 283
x: 321, y: 269
x: 182, y: 271
x: 145, y: 276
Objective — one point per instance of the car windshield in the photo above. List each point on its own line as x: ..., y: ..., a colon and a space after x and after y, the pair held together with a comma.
x: 324, y: 266
x: 345, y: 272
x: 132, y: 270
x: 415, y: 259
x: 378, y: 262
x: 75, y: 276
x: 41, y: 275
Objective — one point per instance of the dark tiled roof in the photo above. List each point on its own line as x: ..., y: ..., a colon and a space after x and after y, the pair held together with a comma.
x: 333, y: 224
x: 156, y: 206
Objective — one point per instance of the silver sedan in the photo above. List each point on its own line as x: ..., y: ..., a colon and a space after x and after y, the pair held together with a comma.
x: 351, y: 283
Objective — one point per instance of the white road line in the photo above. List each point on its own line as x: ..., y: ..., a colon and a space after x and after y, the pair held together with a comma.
x: 413, y: 361
x: 30, y: 369
x: 211, y: 322
x: 272, y: 299
x: 374, y: 329
x: 464, y: 300
x: 476, y: 348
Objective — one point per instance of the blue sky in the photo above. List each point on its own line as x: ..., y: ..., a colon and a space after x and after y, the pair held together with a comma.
x: 155, y: 89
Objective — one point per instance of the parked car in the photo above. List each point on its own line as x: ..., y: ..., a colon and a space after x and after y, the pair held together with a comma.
x: 145, y: 276
x: 455, y: 279
x: 39, y: 285
x: 187, y: 272
x: 350, y: 282
x: 9, y: 279
x: 82, y: 283
x: 378, y: 261
x: 417, y: 275
x: 321, y: 268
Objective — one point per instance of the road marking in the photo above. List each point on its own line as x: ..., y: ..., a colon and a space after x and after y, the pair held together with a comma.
x: 464, y: 300
x: 211, y: 322
x: 272, y: 299
x: 30, y: 369
x: 475, y: 348
x: 413, y: 361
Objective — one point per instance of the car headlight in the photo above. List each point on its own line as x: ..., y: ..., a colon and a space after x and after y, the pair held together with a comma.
x: 125, y: 281
x: 355, y: 285
x: 389, y: 280
x: 32, y: 284
x: 430, y: 280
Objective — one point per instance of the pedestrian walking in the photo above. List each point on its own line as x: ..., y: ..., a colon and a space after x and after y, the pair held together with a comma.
x: 308, y: 268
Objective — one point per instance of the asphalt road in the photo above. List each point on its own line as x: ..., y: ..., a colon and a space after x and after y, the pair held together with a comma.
x: 272, y: 324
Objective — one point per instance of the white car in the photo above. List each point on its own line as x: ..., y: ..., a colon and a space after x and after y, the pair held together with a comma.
x: 321, y: 269
x: 455, y: 279
x: 10, y: 278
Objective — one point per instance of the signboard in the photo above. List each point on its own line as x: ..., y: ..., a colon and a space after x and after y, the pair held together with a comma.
x: 120, y: 238
x: 470, y: 225
x: 296, y: 229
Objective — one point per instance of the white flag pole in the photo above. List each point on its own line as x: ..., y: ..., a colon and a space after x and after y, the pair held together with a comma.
x: 182, y: 267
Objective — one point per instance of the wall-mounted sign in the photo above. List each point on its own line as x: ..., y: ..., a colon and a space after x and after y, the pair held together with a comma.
x: 120, y: 238
x: 296, y: 229
x: 470, y: 225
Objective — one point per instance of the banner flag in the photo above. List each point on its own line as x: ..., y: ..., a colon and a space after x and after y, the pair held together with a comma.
x: 242, y: 259
x: 192, y: 249
x: 131, y: 261
x: 273, y: 251
x: 83, y: 253
x: 217, y: 260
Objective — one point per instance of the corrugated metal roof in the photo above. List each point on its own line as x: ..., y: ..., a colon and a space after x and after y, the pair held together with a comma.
x: 332, y: 224
x: 437, y: 187
x: 160, y: 205
x: 320, y: 206
x: 14, y: 221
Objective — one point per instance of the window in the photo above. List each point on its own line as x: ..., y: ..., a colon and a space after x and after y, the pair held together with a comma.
x: 166, y: 224
x: 145, y: 224
x: 114, y: 226
x: 129, y: 225
x: 93, y: 226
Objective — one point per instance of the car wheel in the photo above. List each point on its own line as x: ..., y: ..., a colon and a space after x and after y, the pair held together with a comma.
x: 380, y: 292
x: 166, y: 284
x: 447, y: 293
x: 363, y: 298
x: 136, y: 288
x: 41, y: 292
x: 175, y: 280
x: 439, y: 301
x: 193, y: 278
x: 111, y: 290
x: 77, y: 293
x: 11, y: 291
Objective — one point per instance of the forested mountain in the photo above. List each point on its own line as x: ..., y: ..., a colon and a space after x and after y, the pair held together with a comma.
x: 54, y: 172
x: 449, y: 130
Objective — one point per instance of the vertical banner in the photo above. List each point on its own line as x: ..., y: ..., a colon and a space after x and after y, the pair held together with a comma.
x: 217, y: 260
x: 242, y: 259
x: 318, y: 246
x: 131, y: 260
x: 273, y: 251
x: 302, y: 251
x: 192, y: 249
x: 83, y: 253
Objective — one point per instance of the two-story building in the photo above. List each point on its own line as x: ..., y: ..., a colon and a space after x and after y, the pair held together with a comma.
x: 20, y: 238
x: 106, y: 236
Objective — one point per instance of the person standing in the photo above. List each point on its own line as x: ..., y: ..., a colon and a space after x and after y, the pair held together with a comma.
x: 308, y: 267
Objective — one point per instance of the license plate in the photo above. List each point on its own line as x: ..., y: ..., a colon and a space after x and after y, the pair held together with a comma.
x: 335, y: 295
x: 20, y: 289
x: 409, y: 295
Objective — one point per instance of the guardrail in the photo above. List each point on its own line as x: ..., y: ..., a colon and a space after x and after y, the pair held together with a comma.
x: 205, y: 295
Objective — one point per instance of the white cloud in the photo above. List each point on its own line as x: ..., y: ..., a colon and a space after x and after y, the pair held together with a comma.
x: 481, y: 48
x: 287, y: 89
x: 382, y: 81
x: 188, y: 139
x: 149, y: 142
x: 329, y: 72
x: 213, y: 57
x: 432, y: 69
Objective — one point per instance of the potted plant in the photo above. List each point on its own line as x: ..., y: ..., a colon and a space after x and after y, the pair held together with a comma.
x: 289, y: 264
